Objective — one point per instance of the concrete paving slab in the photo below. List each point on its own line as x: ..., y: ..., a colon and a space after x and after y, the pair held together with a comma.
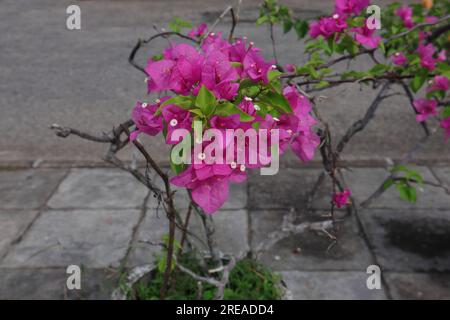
x: 423, y: 286
x: 99, y: 188
x: 333, y: 285
x: 27, y: 189
x: 364, y: 181
x: 308, y: 251
x: 288, y: 188
x: 92, y: 238
x: 407, y: 240
x: 50, y: 284
x: 12, y: 226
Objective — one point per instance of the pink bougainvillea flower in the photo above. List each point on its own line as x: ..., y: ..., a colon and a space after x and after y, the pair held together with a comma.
x: 145, y: 120
x: 217, y: 75
x: 405, y: 13
x: 445, y: 124
x: 426, y: 53
x: 341, y: 199
x: 305, y: 144
x: 160, y: 75
x: 214, y: 42
x: 198, y: 31
x: 347, y: 7
x: 425, y: 108
x: 327, y: 26
x: 290, y: 67
x: 365, y: 36
x: 304, y: 141
x: 248, y: 107
x: 230, y: 122
x: 255, y: 67
x: 175, y: 118
x: 439, y: 83
x: 399, y: 58
x: 442, y: 56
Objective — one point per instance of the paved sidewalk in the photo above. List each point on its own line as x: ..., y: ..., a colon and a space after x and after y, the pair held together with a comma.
x: 101, y: 219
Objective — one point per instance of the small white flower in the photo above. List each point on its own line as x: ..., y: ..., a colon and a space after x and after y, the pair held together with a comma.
x: 276, y: 119
x: 335, y: 16
x: 144, y: 105
x: 257, y: 108
x: 248, y: 99
x: 173, y: 122
x: 252, y: 44
x: 242, y: 168
x: 157, y: 101
x: 397, y: 54
x: 233, y: 165
x: 201, y: 156
x: 212, y: 34
x: 147, y: 79
x: 273, y: 66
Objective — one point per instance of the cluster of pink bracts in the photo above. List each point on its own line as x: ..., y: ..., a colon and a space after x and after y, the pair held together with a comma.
x: 221, y: 67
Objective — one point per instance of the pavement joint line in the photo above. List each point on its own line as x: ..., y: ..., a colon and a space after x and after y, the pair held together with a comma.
x: 43, y: 208
x: 442, y: 184
x: 386, y: 288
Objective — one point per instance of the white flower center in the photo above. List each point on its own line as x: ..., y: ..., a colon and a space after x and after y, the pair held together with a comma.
x: 233, y: 165
x: 257, y: 108
x: 173, y: 122
x: 158, y: 101
x: 276, y: 119
x: 201, y: 156
x: 335, y: 16
x: 248, y: 99
x: 144, y: 105
x: 242, y: 168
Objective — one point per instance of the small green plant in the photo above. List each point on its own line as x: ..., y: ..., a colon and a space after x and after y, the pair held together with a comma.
x: 249, y: 279
x: 404, y: 182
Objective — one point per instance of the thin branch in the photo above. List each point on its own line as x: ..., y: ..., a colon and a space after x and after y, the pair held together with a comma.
x: 411, y: 102
x: 362, y: 123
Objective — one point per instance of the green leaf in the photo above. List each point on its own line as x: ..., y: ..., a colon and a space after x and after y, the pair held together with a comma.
x: 261, y: 20
x: 287, y: 25
x: 205, y: 101
x: 389, y: 182
x: 226, y: 109
x: 236, y: 64
x: 276, y: 100
x: 321, y: 84
x: 446, y: 112
x: 301, y: 27
x: 273, y: 74
x: 184, y: 102
x: 417, y: 82
x: 407, y: 192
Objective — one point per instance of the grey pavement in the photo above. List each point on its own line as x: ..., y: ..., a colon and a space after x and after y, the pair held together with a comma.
x: 102, y: 219
x: 82, y: 79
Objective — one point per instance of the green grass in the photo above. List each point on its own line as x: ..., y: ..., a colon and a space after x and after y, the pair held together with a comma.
x: 248, y: 280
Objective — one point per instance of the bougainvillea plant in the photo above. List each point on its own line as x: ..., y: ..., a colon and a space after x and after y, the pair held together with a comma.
x: 223, y: 85
x: 211, y: 82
